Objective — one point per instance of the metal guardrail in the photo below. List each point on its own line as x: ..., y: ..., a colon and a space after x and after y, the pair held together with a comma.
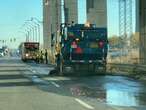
x: 130, y: 68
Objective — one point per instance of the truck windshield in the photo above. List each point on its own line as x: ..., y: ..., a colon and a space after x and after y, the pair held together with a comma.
x: 32, y: 49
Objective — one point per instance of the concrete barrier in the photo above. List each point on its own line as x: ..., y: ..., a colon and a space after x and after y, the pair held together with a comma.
x: 129, y: 68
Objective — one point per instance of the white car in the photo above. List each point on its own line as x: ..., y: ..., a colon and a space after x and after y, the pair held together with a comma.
x: 1, y: 53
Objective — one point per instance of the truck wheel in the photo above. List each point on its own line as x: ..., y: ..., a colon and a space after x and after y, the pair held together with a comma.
x: 24, y: 60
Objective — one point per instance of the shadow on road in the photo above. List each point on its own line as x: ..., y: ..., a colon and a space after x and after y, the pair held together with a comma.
x: 14, y: 84
x: 10, y: 76
x: 12, y: 80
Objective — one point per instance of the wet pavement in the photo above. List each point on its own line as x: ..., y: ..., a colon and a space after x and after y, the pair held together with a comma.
x: 113, y: 90
x: 80, y: 92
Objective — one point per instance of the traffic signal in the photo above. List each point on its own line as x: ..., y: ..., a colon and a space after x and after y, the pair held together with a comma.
x: 14, y: 39
x: 11, y: 40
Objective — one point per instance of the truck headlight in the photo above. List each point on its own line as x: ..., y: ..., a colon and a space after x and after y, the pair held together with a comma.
x: 26, y: 55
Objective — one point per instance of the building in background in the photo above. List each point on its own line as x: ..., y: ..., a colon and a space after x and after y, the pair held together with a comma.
x: 97, y: 12
x: 71, y: 11
x: 51, y: 20
x: 52, y: 17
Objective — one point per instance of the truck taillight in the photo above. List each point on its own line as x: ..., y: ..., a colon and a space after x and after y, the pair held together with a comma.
x: 74, y: 45
x: 79, y: 50
x: 101, y: 44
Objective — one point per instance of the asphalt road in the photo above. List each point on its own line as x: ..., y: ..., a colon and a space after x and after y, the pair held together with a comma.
x: 27, y: 86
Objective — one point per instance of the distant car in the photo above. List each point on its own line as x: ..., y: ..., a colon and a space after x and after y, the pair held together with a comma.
x: 1, y: 53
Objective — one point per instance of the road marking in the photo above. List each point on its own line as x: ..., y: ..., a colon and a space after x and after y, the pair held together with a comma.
x: 34, y: 76
x: 33, y: 71
x: 55, y: 84
x: 53, y: 79
x: 57, y: 79
x: 84, y: 104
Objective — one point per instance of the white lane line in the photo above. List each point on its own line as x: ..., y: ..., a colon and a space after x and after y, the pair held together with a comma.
x: 33, y: 71
x: 54, y: 79
x: 57, y: 79
x: 84, y: 104
x: 34, y: 76
x: 55, y: 84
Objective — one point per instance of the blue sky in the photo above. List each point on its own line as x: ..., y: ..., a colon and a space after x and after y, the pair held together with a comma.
x: 15, y: 12
x: 82, y: 11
